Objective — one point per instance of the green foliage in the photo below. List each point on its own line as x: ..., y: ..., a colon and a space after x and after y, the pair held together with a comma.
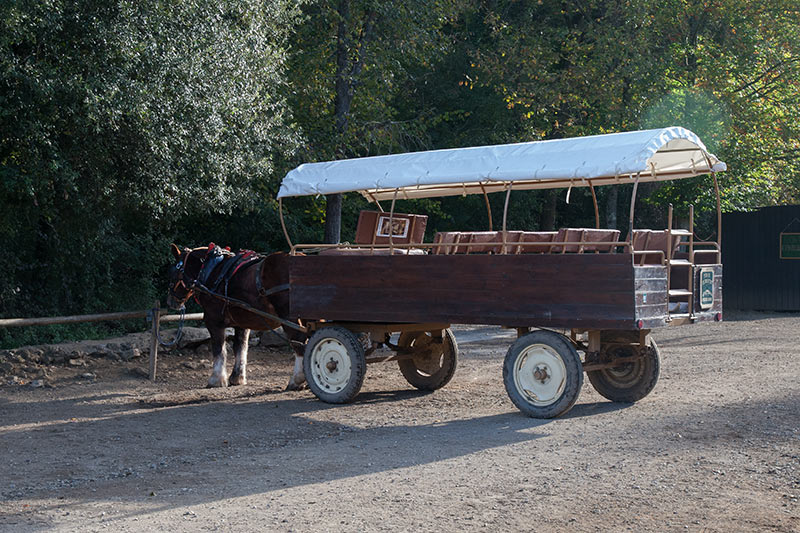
x: 120, y: 121
x: 126, y: 125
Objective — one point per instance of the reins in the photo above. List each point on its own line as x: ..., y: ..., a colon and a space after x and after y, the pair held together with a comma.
x: 178, y: 333
x: 247, y: 307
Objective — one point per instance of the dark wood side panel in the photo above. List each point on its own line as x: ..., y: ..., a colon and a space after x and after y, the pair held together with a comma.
x: 570, y: 290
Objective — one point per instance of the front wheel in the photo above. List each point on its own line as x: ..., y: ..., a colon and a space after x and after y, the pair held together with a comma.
x: 433, y: 362
x: 334, y: 364
x: 630, y: 381
x: 543, y: 374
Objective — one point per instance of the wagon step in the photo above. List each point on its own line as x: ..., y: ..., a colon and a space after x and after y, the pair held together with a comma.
x: 680, y: 262
x: 685, y: 232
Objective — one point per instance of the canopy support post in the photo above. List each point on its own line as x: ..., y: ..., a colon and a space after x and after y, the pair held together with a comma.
x: 488, y: 206
x: 391, y: 227
x: 380, y: 208
x: 633, y: 205
x: 283, y: 224
x: 719, y: 215
x: 505, y: 216
x: 596, y: 209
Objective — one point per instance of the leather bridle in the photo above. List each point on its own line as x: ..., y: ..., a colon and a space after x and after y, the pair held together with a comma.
x: 179, y: 271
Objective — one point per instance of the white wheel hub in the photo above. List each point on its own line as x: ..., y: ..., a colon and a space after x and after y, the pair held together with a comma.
x: 330, y: 365
x: 540, y: 375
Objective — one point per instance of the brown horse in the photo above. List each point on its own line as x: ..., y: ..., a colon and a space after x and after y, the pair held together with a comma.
x: 260, y: 282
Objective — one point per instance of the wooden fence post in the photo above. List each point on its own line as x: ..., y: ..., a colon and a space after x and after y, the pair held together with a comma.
x: 156, y: 313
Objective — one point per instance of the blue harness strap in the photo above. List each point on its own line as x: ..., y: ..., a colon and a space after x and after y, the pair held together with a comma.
x: 232, y: 266
x: 215, y: 257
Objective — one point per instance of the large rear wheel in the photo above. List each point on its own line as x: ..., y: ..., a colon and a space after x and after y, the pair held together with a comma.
x: 543, y: 374
x: 434, y: 359
x: 630, y: 381
x: 334, y: 364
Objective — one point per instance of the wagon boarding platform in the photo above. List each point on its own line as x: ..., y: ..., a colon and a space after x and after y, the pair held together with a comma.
x: 608, y: 290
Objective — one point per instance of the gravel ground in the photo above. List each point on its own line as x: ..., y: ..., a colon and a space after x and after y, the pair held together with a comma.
x: 715, y: 447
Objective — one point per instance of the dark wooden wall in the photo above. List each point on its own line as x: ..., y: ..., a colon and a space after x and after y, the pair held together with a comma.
x: 755, y: 276
x: 570, y: 290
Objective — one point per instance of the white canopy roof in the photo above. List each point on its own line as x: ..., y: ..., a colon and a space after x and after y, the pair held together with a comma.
x: 653, y: 155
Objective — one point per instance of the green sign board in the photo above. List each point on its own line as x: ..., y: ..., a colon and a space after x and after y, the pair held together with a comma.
x: 706, y: 288
x: 790, y: 245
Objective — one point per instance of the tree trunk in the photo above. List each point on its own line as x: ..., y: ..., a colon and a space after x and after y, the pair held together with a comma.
x: 547, y: 219
x: 333, y: 218
x: 341, y: 111
x: 611, y: 206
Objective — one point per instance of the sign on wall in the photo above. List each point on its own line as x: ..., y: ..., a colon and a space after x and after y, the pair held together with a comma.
x: 790, y: 246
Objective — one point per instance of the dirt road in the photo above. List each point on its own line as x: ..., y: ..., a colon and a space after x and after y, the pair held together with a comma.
x: 716, y: 447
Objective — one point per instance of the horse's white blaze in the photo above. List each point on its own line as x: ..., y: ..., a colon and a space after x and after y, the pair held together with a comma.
x: 540, y: 374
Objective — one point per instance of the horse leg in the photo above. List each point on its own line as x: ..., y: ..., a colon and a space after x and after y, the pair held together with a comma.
x: 219, y: 377
x: 298, y: 379
x: 239, y: 372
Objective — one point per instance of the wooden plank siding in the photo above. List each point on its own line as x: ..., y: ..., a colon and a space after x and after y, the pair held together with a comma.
x: 569, y: 290
x: 755, y: 275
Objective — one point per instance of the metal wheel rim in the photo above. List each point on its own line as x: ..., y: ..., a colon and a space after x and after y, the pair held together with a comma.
x: 426, y: 366
x: 624, y: 375
x: 330, y: 365
x: 545, y: 388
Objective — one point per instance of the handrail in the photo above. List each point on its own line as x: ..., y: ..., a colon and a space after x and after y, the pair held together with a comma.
x: 432, y: 245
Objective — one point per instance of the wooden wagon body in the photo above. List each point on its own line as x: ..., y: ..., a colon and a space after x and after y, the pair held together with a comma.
x: 608, y: 292
x: 581, y: 291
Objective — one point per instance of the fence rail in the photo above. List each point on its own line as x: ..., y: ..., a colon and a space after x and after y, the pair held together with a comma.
x: 156, y: 311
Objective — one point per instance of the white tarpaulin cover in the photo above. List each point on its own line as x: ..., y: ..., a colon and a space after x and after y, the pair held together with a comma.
x: 653, y: 155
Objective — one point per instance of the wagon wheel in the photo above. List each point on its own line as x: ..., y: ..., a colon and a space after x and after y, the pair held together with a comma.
x: 334, y: 364
x: 631, y: 381
x: 433, y: 362
x: 543, y: 375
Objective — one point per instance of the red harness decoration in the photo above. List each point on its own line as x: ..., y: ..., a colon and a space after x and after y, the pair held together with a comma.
x: 246, y: 257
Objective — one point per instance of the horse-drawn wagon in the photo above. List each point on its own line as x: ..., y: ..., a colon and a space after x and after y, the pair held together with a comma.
x: 342, y: 305
x: 607, y: 290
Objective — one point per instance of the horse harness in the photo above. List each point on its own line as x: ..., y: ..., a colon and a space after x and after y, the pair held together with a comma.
x: 225, y: 264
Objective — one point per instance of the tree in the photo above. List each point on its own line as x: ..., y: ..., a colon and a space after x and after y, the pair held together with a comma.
x: 351, y: 57
x: 117, y: 120
x: 733, y: 79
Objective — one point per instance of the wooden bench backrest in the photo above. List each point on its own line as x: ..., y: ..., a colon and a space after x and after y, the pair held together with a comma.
x: 373, y: 228
x: 543, y: 238
x: 652, y: 240
x: 582, y: 235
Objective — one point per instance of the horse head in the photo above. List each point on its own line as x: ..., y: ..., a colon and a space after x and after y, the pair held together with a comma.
x: 183, y: 274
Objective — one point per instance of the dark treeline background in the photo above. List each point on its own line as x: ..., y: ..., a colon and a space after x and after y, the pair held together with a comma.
x: 129, y: 124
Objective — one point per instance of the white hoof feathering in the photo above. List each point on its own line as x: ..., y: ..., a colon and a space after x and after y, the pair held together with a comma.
x: 298, y: 379
x: 218, y: 376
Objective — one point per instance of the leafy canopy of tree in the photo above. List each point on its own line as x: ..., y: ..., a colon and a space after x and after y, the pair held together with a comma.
x: 119, y: 120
